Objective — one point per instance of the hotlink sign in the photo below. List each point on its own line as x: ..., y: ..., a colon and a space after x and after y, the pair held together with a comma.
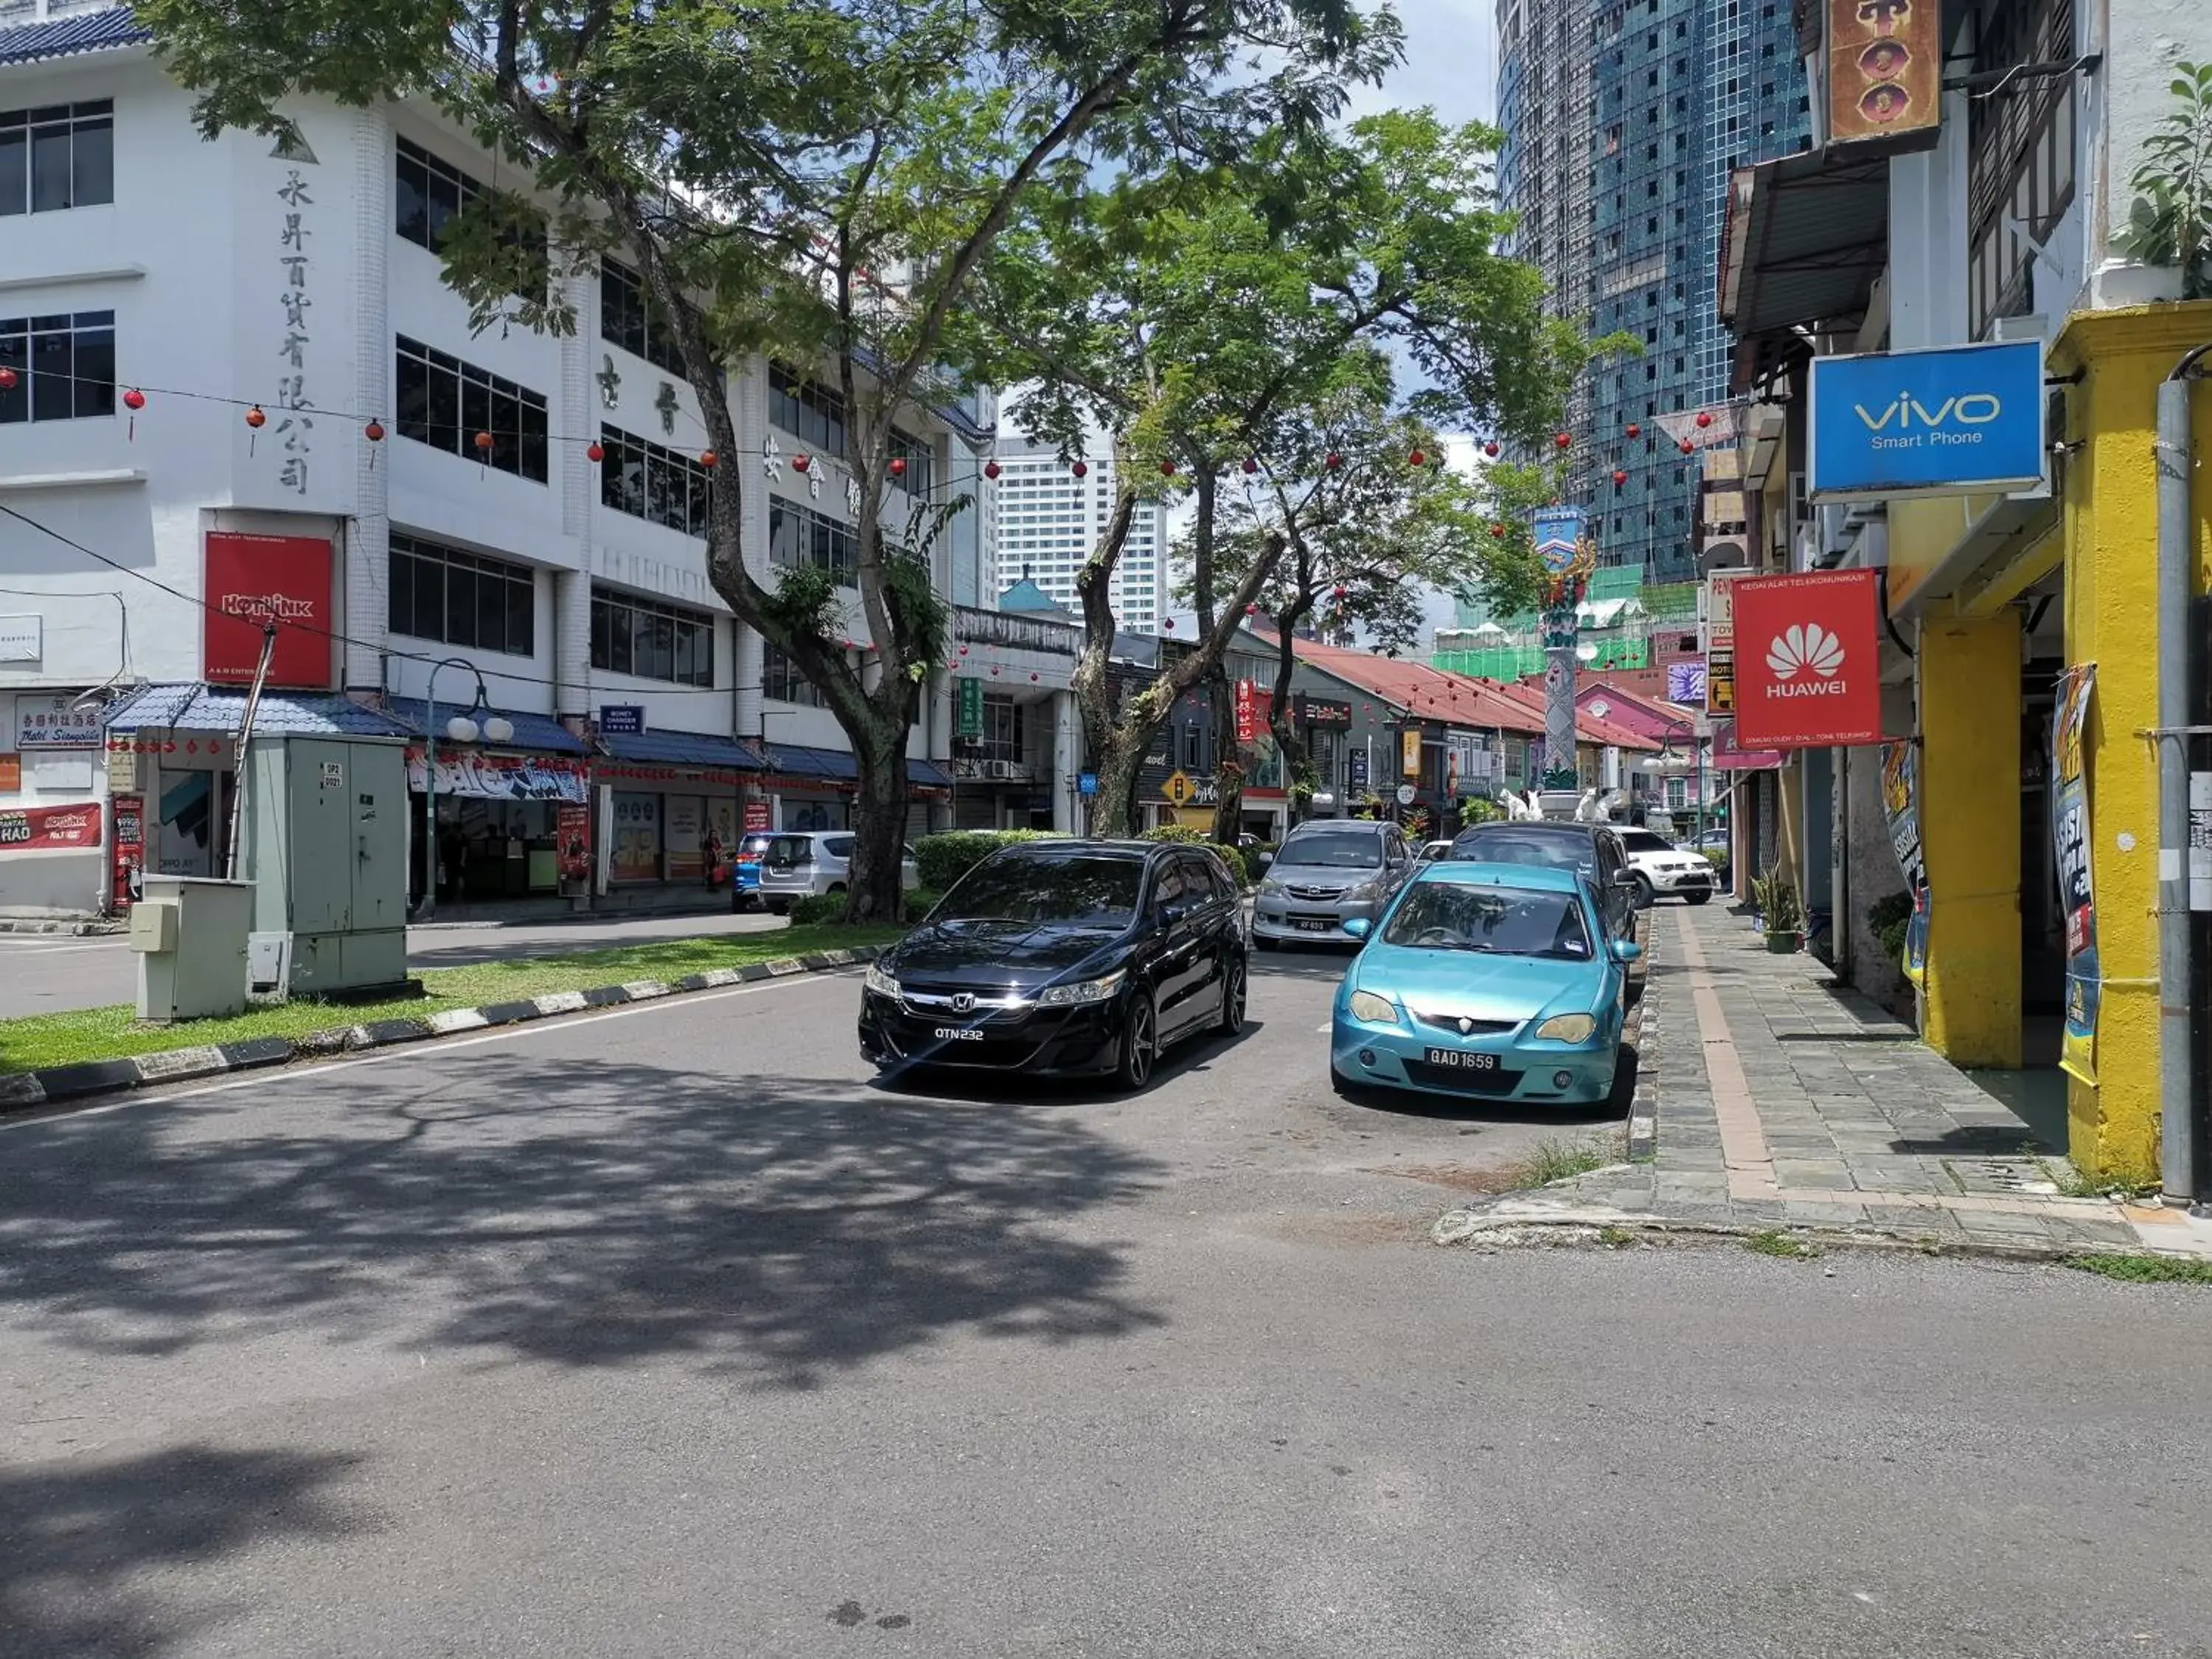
x: 1951, y: 420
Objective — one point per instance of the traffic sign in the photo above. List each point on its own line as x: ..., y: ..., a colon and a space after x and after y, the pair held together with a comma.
x: 1086, y: 783
x: 1406, y: 794
x: 1178, y: 788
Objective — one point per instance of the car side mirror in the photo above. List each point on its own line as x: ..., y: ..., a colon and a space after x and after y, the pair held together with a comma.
x: 1626, y: 950
x: 1358, y: 927
x: 1264, y: 859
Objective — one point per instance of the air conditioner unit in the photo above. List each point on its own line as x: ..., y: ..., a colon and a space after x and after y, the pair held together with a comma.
x: 1006, y: 770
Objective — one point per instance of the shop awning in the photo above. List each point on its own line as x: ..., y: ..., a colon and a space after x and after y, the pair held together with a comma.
x: 680, y: 749
x: 836, y: 765
x: 1806, y: 237
x: 197, y: 707
x: 535, y: 734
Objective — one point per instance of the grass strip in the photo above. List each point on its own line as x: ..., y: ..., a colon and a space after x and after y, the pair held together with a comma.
x: 38, y: 1041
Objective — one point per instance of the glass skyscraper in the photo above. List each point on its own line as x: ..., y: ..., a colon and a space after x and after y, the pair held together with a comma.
x: 1623, y: 120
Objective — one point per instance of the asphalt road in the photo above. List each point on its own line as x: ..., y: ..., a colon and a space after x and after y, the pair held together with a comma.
x: 665, y: 1333
x: 49, y: 974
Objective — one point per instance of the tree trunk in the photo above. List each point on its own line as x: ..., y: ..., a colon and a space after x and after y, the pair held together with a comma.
x: 1118, y: 758
x: 879, y: 811
x: 1231, y: 759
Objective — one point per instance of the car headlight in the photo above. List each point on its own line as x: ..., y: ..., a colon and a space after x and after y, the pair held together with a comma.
x: 1104, y: 989
x: 881, y: 983
x: 1567, y: 1028
x: 1270, y: 887
x: 1359, y: 894
x: 1376, y: 1010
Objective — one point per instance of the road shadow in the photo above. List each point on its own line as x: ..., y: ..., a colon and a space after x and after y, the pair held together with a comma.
x: 584, y: 1213
x: 985, y: 1088
x: 82, y: 1545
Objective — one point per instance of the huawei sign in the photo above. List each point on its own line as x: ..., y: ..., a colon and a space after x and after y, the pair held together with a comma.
x: 1818, y: 683
x: 253, y: 581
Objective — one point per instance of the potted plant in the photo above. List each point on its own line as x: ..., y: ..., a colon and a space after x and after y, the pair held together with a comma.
x: 1776, y: 898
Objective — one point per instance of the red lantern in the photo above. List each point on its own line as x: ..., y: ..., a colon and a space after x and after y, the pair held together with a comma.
x: 1251, y: 463
x: 1416, y: 459
x: 964, y: 650
x: 595, y: 452
x: 134, y: 399
x: 994, y: 671
x: 1334, y: 461
x: 1618, y: 479
x: 1703, y: 419
x: 1563, y: 439
x: 1033, y: 679
x: 1341, y: 593
x: 255, y: 419
x: 898, y: 466
x: 374, y: 431
x: 1498, y: 531
x: 1634, y: 430
x: 1169, y: 623
x: 1251, y: 610
x: 1081, y: 470
x: 1167, y: 469
x: 483, y: 443
x: 707, y: 458
x: 800, y: 463
x: 990, y: 468
x: 6, y: 378
x: 1491, y: 449
x: 1688, y: 448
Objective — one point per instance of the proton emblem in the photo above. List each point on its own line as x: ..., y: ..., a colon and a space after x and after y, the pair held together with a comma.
x: 1466, y: 1025
x: 963, y: 1003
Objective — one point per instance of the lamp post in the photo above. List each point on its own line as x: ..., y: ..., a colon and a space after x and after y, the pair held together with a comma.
x: 462, y: 729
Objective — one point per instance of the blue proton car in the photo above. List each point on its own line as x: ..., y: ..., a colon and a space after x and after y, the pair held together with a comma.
x: 1494, y: 980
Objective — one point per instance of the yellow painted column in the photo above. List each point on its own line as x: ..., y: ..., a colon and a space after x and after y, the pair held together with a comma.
x: 2109, y: 489
x: 1970, y: 830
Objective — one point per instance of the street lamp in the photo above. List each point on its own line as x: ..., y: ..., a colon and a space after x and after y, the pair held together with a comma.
x: 462, y: 728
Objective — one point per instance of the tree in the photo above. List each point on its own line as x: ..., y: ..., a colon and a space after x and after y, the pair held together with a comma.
x: 821, y: 177
x: 1367, y: 529
x: 1188, y: 313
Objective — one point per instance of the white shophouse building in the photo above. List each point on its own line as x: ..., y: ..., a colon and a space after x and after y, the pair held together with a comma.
x: 235, y: 377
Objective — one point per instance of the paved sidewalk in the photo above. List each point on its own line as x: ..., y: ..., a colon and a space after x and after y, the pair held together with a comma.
x: 1785, y: 1100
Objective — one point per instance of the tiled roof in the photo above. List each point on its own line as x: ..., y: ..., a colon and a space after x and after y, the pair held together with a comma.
x: 680, y: 749
x: 795, y: 761
x: 65, y: 37
x: 1592, y: 729
x: 539, y: 733
x: 1457, y: 699
x: 293, y: 713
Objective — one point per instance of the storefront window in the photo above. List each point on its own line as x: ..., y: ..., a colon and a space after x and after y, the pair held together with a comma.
x: 635, y: 855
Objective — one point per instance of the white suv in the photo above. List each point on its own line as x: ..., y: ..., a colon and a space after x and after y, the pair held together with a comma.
x: 1662, y: 870
x: 799, y: 864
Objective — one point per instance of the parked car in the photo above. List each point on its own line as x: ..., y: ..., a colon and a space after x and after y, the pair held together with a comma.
x: 1715, y: 840
x: 1490, y: 980
x: 1433, y: 850
x: 1594, y: 849
x: 1662, y: 870
x: 1064, y: 958
x: 745, y: 869
x: 797, y: 864
x: 1329, y: 872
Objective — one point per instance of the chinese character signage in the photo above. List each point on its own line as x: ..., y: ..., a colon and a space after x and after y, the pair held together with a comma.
x: 1809, y: 674
x: 971, y: 708
x: 1247, y: 725
x: 292, y: 424
x: 1885, y: 72
x: 2069, y: 834
x: 1409, y: 752
x: 255, y: 579
x: 55, y: 723
x: 1954, y: 420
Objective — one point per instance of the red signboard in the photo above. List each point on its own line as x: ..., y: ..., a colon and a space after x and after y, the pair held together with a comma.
x: 37, y: 828
x: 756, y: 815
x: 285, y: 580
x: 1807, y: 670
x: 1247, y: 713
x: 572, y: 838
x: 130, y: 846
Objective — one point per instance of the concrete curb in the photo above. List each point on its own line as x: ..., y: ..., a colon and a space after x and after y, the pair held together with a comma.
x: 1514, y: 1221
x: 99, y: 927
x: 1642, y: 1128
x: 58, y: 1084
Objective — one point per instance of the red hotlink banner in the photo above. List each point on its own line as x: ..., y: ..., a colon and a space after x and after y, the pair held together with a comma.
x: 1808, y: 660
x: 35, y: 827
x: 253, y: 580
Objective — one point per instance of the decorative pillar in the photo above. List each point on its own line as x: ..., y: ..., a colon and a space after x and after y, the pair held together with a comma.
x: 1567, y: 559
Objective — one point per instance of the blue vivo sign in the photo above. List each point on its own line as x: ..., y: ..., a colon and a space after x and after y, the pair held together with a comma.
x: 1954, y: 420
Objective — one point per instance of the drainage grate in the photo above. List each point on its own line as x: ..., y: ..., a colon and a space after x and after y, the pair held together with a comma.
x: 1999, y: 1177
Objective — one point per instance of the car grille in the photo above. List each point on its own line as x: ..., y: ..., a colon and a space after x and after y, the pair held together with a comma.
x: 1472, y: 1028
x: 1315, y: 895
x: 1463, y: 1082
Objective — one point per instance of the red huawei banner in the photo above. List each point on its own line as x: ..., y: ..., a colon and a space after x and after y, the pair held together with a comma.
x: 281, y: 579
x: 36, y: 828
x: 1248, y: 723
x: 1808, y: 668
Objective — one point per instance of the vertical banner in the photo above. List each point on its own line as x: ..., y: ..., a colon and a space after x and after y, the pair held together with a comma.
x: 971, y: 708
x: 1900, y: 807
x: 1246, y: 722
x: 1567, y: 558
x: 130, y: 848
x: 1409, y: 752
x: 1885, y: 71
x: 572, y: 834
x: 2069, y: 835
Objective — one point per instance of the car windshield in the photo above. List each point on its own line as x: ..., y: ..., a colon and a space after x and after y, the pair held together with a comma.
x: 1551, y: 852
x: 753, y: 846
x: 1511, y: 921
x: 1333, y: 849
x: 789, y: 849
x: 1083, y: 891
x: 1643, y: 840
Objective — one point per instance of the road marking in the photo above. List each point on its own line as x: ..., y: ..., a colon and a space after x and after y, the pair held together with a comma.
x: 39, y: 948
x: 410, y: 1050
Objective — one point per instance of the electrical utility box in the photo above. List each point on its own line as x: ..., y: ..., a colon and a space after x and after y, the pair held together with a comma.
x: 326, y: 847
x: 189, y: 934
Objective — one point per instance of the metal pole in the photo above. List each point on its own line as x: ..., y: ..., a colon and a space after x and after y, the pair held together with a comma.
x: 2178, y: 1100
x: 430, y: 798
x: 245, y: 749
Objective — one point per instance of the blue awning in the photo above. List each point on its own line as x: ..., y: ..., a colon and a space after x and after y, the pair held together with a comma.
x: 282, y: 714
x: 679, y: 749
x: 836, y: 765
x: 538, y: 734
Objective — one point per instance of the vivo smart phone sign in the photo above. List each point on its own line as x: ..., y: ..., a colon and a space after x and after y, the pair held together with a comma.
x: 1953, y: 421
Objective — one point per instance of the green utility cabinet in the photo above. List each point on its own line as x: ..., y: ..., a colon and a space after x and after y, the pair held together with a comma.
x: 326, y: 851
